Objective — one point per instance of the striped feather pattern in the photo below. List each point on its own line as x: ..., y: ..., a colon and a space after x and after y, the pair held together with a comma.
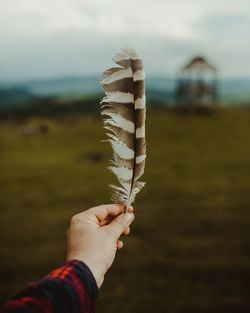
x: 125, y: 112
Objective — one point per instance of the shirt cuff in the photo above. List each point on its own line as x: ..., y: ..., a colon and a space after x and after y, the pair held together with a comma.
x: 85, y: 275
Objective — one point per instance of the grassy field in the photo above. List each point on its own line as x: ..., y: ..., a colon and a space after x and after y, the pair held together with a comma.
x: 189, y: 249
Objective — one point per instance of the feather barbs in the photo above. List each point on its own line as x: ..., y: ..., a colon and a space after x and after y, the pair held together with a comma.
x: 125, y: 112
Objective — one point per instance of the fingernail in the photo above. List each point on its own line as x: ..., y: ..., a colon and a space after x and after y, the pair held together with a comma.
x: 128, y: 217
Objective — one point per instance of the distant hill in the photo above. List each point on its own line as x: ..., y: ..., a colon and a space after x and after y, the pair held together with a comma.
x: 235, y: 90
x: 12, y: 96
x: 159, y: 90
x: 66, y: 86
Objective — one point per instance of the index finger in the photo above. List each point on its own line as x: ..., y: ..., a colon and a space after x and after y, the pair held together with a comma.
x: 101, y: 212
x: 110, y: 218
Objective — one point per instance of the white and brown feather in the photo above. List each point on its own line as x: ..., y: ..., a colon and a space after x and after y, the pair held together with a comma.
x: 125, y: 112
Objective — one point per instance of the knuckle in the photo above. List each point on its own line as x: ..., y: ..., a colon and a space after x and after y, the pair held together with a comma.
x: 75, y: 219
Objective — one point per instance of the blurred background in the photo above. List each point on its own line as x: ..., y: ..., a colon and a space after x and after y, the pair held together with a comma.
x: 189, y: 249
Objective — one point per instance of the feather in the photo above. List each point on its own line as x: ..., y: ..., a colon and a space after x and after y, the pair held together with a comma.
x: 125, y: 112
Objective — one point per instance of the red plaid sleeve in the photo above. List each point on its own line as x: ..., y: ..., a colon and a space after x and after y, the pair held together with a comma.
x: 70, y: 288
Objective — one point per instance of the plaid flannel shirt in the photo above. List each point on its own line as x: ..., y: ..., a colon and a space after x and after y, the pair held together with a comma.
x: 70, y: 288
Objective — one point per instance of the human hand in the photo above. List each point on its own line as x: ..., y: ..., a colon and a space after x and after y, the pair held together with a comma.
x: 93, y: 237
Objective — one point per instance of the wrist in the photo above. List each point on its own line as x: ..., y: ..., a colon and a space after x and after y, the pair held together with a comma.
x: 96, y: 273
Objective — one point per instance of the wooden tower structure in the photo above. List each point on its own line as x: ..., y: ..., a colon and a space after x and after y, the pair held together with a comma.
x: 196, y: 88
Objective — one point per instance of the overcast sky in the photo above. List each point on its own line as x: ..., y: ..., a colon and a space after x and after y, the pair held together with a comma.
x: 51, y: 38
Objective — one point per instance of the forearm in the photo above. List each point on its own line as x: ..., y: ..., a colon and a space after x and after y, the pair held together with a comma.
x: 70, y: 288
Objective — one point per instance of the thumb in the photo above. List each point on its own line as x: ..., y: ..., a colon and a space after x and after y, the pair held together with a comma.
x: 119, y: 224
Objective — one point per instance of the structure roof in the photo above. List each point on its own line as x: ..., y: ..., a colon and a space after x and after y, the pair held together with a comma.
x: 199, y: 63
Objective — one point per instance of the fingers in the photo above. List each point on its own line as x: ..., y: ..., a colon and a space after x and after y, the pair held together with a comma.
x: 109, y: 218
x: 126, y: 231
x: 103, y: 211
x: 106, y: 221
x: 130, y: 209
x: 120, y: 224
x: 103, y: 214
x: 119, y: 244
x: 99, y: 213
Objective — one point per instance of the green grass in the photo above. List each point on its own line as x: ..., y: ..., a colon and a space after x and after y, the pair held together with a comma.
x: 189, y: 248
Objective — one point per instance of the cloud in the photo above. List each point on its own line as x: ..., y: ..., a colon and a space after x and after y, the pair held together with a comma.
x: 110, y: 16
x: 224, y: 26
x: 225, y: 37
x: 88, y: 53
x: 162, y: 18
x: 41, y: 38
